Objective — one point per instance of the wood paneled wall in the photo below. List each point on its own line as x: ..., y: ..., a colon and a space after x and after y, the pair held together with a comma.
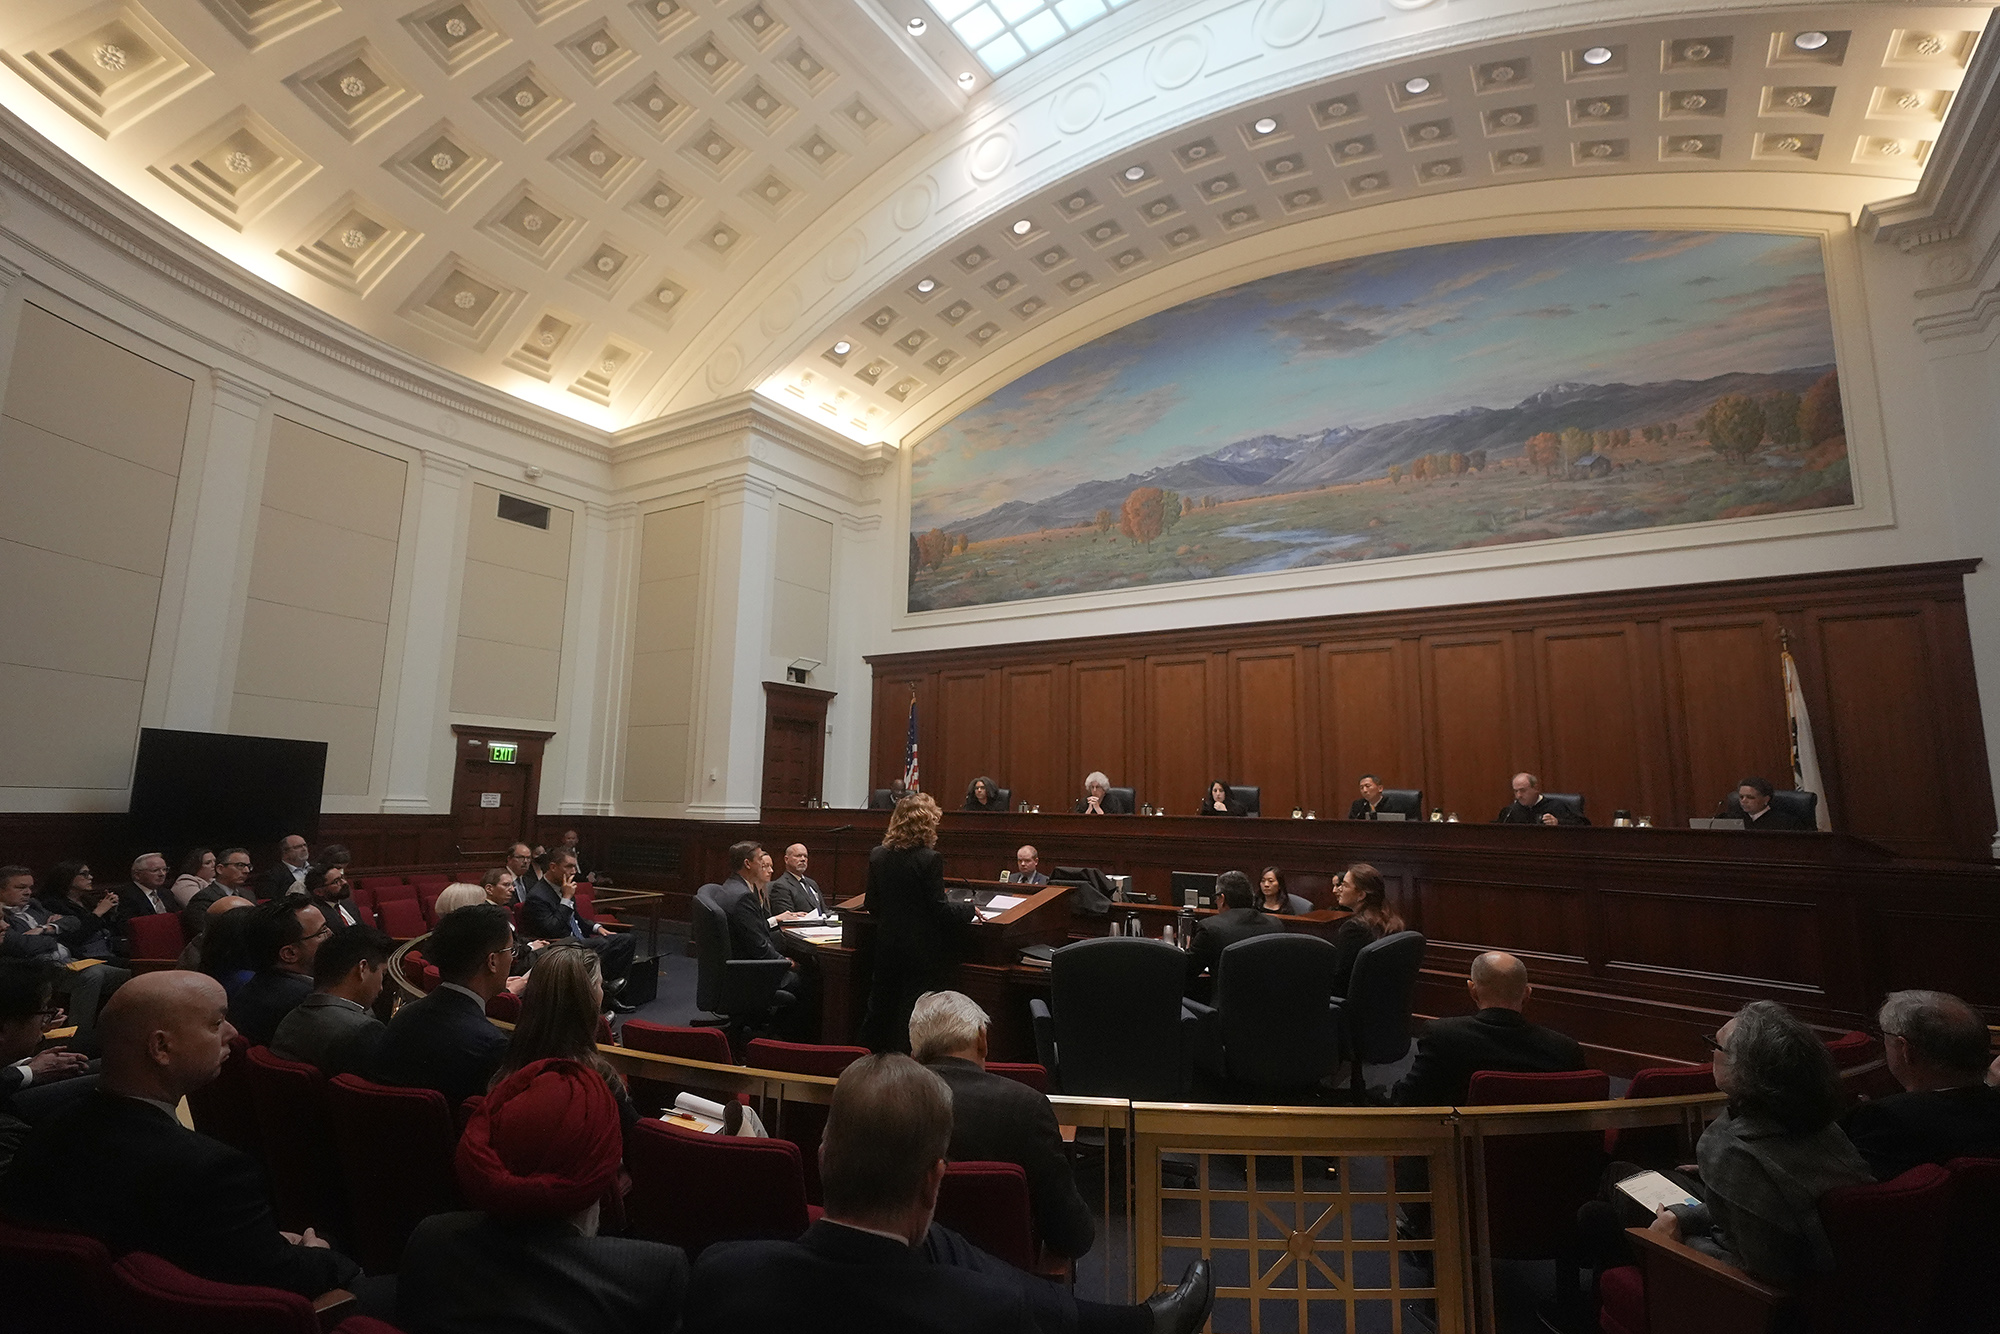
x: 1655, y: 701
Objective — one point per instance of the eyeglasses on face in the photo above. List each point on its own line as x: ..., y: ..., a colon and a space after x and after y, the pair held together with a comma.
x: 1713, y: 1043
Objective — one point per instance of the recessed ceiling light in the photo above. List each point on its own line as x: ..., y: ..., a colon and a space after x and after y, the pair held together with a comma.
x: 967, y: 79
x: 1597, y: 55
x: 917, y: 27
x: 1417, y: 85
x: 1023, y: 227
x: 1265, y: 126
x: 1135, y: 173
x: 927, y: 285
x: 1809, y: 41
x: 842, y: 348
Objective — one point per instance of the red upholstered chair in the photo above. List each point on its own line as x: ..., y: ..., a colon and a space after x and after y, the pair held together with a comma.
x: 402, y: 918
x: 363, y: 1324
x: 1536, y: 1183
x: 162, y: 1298
x: 505, y: 1006
x: 691, y: 1189
x: 988, y: 1203
x: 1021, y: 1072
x: 53, y: 1280
x: 800, y: 1122
x: 1968, y: 1290
x: 689, y: 1044
x: 427, y: 899
x: 396, y: 1147
x: 432, y: 882
x: 223, y: 1108
x: 1659, y: 1146
x: 307, y: 1187
x: 1851, y: 1049
x: 157, y: 939
x: 1621, y: 1301
x: 374, y: 885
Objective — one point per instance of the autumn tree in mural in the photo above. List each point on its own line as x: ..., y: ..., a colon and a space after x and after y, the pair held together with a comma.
x: 1734, y: 425
x: 1142, y: 518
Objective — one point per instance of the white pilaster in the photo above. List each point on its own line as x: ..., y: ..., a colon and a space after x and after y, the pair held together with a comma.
x: 594, y: 719
x: 418, y: 783
x: 736, y: 601
x: 860, y: 624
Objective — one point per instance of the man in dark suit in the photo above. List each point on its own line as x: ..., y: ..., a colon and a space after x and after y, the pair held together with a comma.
x: 550, y: 912
x: 885, y: 798
x: 1370, y: 800
x: 120, y: 1167
x: 742, y: 899
x: 1451, y: 1051
x: 1935, y: 1045
x: 521, y: 861
x: 1000, y: 1120
x: 145, y: 893
x: 1028, y: 866
x: 284, y: 935
x: 795, y: 891
x: 875, y: 1261
x: 535, y: 1160
x: 289, y: 875
x: 34, y: 1083
x: 1753, y: 796
x: 328, y: 888
x: 445, y: 1041
x: 1238, y: 920
x: 335, y: 1028
x: 1530, y: 806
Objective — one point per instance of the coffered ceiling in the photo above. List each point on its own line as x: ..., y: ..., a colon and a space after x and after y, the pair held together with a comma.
x: 620, y: 209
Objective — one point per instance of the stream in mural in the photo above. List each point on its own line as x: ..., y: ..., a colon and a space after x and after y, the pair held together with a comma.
x: 1481, y: 393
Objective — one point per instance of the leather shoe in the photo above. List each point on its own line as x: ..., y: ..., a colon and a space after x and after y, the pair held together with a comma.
x: 1186, y: 1308
x: 620, y: 1007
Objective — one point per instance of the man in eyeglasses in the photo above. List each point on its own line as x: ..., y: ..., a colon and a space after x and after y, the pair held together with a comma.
x: 232, y: 879
x: 284, y: 937
x: 33, y: 1084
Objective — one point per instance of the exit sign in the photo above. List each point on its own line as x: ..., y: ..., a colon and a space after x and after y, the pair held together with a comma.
x: 503, y: 752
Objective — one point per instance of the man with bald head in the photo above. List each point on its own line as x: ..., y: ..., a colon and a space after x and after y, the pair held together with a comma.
x: 121, y: 1167
x: 1451, y: 1051
x: 795, y: 891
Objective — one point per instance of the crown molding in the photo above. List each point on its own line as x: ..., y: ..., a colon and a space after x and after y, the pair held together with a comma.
x: 751, y: 412
x: 44, y: 172
x: 1963, y: 173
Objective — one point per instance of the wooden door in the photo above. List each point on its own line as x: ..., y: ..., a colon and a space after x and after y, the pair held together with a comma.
x: 494, y: 803
x: 794, y: 744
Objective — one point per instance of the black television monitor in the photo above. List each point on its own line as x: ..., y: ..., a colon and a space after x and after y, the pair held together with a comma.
x: 1201, y: 882
x: 216, y: 790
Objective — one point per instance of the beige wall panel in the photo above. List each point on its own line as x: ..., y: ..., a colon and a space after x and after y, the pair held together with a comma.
x: 798, y: 621
x: 82, y: 388
x: 348, y: 732
x: 666, y: 614
x: 75, y: 615
x: 662, y: 687
x: 308, y: 563
x: 64, y: 729
x: 65, y: 497
x: 805, y: 550
x: 317, y: 475
x: 511, y: 606
x: 670, y: 543
x: 656, y: 763
x: 293, y: 653
x: 504, y: 680
x: 499, y: 541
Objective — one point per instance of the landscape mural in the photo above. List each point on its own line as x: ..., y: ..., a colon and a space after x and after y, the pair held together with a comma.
x: 1475, y: 394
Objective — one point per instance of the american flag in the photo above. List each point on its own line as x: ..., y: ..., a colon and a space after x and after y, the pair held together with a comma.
x: 910, y: 746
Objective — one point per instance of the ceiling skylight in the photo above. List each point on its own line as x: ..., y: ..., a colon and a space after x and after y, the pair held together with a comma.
x: 1003, y: 33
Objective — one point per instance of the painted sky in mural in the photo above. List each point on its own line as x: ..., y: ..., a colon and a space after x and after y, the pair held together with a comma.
x: 1317, y: 380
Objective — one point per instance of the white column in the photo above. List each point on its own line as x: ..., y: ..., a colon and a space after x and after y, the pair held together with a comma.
x: 593, y: 721
x: 419, y: 758
x: 736, y: 600
x: 860, y: 623
x: 202, y: 673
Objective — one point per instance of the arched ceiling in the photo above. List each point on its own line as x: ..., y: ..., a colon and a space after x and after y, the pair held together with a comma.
x: 623, y: 210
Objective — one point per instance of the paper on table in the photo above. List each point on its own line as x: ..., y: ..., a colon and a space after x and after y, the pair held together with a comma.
x: 1655, y: 1191
x: 1002, y: 902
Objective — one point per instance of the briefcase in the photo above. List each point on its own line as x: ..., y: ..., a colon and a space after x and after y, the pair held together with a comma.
x: 642, y: 984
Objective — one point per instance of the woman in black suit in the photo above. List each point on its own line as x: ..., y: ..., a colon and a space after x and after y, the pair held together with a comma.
x: 915, y: 924
x: 1361, y: 892
x: 1221, y: 801
x: 1272, y: 896
x: 983, y: 794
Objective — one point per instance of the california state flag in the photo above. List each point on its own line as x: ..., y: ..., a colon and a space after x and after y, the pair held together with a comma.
x: 1805, y: 759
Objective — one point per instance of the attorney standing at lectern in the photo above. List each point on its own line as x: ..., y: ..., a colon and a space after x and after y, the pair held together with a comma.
x: 1369, y: 801
x: 1099, y: 799
x: 916, y: 925
x: 1530, y: 806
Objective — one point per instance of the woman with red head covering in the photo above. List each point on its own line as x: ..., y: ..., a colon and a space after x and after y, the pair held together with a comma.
x: 534, y: 1162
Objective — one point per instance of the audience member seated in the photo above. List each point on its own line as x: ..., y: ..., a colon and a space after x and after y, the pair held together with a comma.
x: 1099, y: 799
x: 1936, y: 1048
x: 85, y: 915
x: 1369, y: 802
x: 34, y: 933
x: 983, y: 794
x: 328, y: 888
x: 34, y: 1084
x: 500, y: 886
x: 145, y: 893
x: 1753, y: 797
x: 560, y: 1010
x: 1530, y: 806
x: 521, y: 865
x: 120, y: 1167
x: 586, y: 870
x: 534, y: 1161
x: 453, y: 897
x: 289, y: 875
x: 795, y: 892
x: 232, y: 878
x: 743, y: 902
x: 1451, y: 1051
x: 335, y: 1028
x: 1240, y: 919
x: 551, y: 913
x: 196, y: 874
x: 1221, y: 802
x: 999, y: 1120
x: 876, y: 1262
x: 217, y: 934
x: 1361, y: 892
x: 1028, y: 866
x: 283, y: 936
x: 445, y: 1041
x: 1272, y: 895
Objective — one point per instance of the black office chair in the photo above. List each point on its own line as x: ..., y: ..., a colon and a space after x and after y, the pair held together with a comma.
x: 1407, y: 802
x: 1574, y: 800
x: 1131, y: 802
x: 1275, y: 1027
x: 1800, y: 803
x: 880, y: 800
x: 741, y: 996
x: 1114, y: 1025
x: 1003, y: 799
x: 1251, y: 799
x: 1375, y: 1014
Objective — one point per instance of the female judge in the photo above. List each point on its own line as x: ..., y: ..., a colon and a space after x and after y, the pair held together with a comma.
x: 1097, y: 798
x: 915, y: 924
x: 1271, y: 895
x: 1223, y: 802
x: 1361, y: 892
x: 983, y: 795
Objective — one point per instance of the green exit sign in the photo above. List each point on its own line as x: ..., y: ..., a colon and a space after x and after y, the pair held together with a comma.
x: 503, y: 752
